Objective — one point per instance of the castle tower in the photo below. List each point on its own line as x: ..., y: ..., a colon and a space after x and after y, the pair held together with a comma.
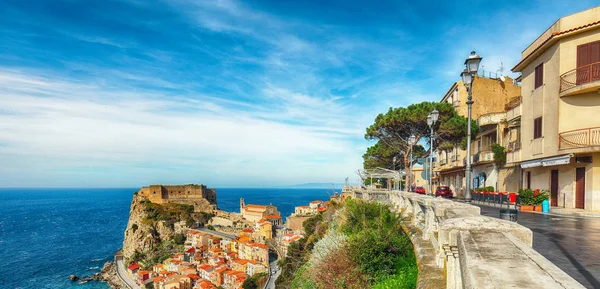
x: 242, y: 205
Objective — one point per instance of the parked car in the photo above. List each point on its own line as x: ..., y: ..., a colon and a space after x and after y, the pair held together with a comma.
x: 443, y: 191
x: 419, y: 190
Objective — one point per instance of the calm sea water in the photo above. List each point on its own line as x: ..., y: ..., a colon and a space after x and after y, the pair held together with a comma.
x: 48, y: 234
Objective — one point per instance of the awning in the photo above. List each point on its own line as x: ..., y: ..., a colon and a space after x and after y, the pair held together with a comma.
x: 547, y: 162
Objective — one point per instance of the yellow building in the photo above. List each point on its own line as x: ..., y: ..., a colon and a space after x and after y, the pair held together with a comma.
x: 417, y: 177
x: 491, y: 94
x: 264, y: 230
x: 560, y: 133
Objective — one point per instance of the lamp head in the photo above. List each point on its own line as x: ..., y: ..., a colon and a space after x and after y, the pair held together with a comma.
x: 467, y: 78
x: 429, y: 120
x: 472, y: 62
x: 435, y: 114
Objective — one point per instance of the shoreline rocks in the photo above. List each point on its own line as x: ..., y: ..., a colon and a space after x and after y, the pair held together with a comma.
x: 73, y: 278
x: 109, y: 275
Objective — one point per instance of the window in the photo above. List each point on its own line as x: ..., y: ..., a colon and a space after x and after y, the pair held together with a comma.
x: 539, y: 75
x: 537, y: 127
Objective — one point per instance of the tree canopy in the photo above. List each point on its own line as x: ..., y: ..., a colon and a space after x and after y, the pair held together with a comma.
x: 393, y: 128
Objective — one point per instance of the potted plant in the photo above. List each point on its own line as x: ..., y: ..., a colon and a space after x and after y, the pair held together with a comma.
x: 531, y: 200
x: 526, y: 197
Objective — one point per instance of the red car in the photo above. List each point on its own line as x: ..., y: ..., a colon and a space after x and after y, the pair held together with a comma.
x: 419, y: 190
x: 443, y: 191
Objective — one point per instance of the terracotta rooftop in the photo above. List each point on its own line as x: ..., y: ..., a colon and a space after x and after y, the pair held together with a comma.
x: 133, y: 266
x: 272, y: 217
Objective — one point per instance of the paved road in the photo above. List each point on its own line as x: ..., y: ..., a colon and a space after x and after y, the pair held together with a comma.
x: 122, y: 272
x: 572, y: 243
x: 271, y: 283
x: 215, y: 233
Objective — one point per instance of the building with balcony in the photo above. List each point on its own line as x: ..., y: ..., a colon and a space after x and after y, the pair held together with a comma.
x: 490, y: 96
x: 560, y: 127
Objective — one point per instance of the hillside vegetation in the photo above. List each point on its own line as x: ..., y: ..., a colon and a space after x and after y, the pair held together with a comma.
x: 156, y: 231
x: 353, y: 245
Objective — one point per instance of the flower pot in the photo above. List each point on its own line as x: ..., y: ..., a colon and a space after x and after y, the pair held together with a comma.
x: 527, y: 208
x: 538, y: 208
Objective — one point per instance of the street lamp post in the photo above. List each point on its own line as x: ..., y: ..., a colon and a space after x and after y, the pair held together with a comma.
x: 411, y: 141
x: 431, y: 120
x: 468, y: 76
x: 394, y: 168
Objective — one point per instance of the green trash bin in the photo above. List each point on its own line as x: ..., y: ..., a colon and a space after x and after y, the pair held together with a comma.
x: 509, y: 214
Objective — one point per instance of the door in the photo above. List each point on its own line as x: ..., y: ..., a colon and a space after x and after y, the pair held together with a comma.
x: 588, y: 56
x: 580, y: 188
x: 554, y: 188
x: 529, y: 180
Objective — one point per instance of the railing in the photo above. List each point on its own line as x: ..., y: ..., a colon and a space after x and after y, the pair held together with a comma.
x: 457, y: 247
x: 587, y: 137
x: 454, y: 158
x: 512, y: 103
x: 513, y: 146
x: 580, y: 75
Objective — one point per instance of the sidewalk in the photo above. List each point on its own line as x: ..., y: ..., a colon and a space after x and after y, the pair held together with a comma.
x: 554, y: 211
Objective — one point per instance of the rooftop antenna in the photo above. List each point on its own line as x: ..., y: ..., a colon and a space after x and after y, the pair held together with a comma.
x: 501, y: 70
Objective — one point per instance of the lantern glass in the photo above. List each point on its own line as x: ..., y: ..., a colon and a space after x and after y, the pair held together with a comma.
x: 472, y: 62
x: 466, y: 77
x: 412, y: 139
x: 429, y: 120
x: 435, y: 114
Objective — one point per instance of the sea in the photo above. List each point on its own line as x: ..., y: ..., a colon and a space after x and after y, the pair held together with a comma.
x: 48, y: 234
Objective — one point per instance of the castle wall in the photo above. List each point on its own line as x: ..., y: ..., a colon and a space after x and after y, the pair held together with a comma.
x: 197, y: 195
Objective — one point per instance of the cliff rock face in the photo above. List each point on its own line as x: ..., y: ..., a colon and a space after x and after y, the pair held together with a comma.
x: 156, y: 228
x: 141, y: 235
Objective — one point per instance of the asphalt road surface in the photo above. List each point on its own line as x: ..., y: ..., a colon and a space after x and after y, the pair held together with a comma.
x: 571, y: 243
x: 271, y: 283
x: 122, y: 272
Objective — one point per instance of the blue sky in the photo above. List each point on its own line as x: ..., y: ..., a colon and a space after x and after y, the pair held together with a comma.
x: 229, y: 93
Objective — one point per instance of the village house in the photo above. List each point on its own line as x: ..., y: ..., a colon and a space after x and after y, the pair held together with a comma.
x: 255, y: 213
x: 255, y: 267
x: 560, y: 149
x: 286, y: 240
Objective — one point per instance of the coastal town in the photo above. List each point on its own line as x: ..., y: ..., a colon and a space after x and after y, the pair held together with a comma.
x: 213, y: 259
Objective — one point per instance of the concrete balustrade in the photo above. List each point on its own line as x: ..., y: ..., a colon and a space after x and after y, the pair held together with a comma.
x: 456, y: 247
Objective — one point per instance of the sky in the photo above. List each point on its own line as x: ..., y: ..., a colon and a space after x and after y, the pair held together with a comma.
x: 230, y: 93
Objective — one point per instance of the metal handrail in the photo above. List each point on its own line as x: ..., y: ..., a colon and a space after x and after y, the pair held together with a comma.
x: 579, y: 138
x: 580, y: 75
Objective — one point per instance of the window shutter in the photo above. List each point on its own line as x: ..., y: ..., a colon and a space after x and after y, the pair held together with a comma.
x: 539, y: 75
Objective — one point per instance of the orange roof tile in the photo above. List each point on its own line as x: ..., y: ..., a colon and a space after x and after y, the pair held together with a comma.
x: 273, y: 217
x: 193, y: 276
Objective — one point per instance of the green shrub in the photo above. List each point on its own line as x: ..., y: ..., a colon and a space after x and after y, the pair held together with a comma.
x: 179, y: 238
x: 499, y: 155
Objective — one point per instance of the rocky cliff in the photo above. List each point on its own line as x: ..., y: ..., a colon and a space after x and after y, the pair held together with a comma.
x: 156, y: 230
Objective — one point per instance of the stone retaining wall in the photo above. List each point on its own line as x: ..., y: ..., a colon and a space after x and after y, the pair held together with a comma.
x: 457, y: 246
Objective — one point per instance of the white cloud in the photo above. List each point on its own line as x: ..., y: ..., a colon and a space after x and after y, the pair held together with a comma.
x: 49, y: 126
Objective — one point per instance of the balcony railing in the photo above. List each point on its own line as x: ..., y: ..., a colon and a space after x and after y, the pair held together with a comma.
x: 454, y: 158
x: 513, y: 146
x: 581, y: 138
x: 580, y: 75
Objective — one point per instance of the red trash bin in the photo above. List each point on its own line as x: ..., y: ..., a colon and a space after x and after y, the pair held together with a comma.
x: 512, y: 197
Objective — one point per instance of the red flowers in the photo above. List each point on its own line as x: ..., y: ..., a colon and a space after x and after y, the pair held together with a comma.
x: 536, y: 192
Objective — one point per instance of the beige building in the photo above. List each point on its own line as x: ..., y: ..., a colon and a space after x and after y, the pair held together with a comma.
x: 417, y: 178
x: 255, y: 213
x: 560, y: 135
x: 491, y: 96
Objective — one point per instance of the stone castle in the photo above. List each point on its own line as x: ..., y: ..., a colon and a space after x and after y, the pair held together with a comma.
x: 197, y: 195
